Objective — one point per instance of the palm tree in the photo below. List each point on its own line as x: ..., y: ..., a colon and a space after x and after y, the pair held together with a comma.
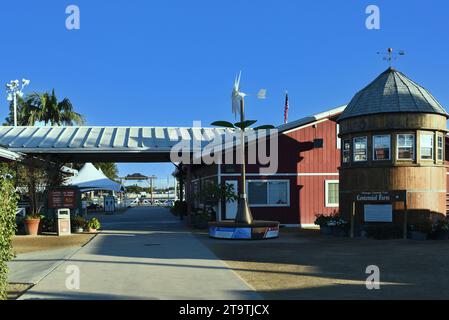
x: 45, y: 107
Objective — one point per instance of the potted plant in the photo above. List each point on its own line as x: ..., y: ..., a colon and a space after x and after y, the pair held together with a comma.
x: 419, y: 231
x: 440, y: 230
x: 78, y: 224
x: 341, y: 226
x: 93, y: 225
x: 201, y: 219
x: 31, y: 223
x: 323, y: 222
x: 47, y: 224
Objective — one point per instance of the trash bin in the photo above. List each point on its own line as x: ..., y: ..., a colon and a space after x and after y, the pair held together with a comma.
x: 109, y: 205
x: 63, y: 216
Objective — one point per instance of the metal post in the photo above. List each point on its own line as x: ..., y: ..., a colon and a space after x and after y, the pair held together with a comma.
x: 353, y: 220
x: 218, y: 218
x: 15, y: 108
x: 243, y: 212
x: 151, y: 190
x: 405, y: 219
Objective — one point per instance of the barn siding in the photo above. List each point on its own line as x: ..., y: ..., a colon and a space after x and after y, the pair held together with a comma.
x: 306, y: 167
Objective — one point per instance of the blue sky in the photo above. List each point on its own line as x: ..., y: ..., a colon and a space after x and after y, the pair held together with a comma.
x: 168, y: 63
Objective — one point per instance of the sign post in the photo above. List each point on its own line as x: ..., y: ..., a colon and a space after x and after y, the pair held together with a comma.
x: 353, y: 220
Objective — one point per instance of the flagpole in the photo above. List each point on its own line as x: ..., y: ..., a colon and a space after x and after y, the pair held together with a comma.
x: 286, y: 107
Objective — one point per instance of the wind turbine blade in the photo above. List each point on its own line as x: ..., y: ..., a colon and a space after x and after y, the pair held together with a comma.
x: 237, y: 81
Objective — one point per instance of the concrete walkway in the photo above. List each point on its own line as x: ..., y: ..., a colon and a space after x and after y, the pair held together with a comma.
x: 144, y: 254
x: 30, y: 268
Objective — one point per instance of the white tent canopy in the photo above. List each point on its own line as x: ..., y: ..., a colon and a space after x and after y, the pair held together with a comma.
x: 90, y: 178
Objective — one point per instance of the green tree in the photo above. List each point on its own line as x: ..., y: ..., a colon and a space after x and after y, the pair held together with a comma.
x: 44, y: 107
x: 8, y: 208
x: 109, y: 169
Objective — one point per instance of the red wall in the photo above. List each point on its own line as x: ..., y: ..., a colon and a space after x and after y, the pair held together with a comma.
x: 307, y: 168
x: 285, y: 215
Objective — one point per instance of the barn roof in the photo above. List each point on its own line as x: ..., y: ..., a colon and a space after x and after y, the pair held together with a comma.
x: 311, y: 119
x: 392, y: 92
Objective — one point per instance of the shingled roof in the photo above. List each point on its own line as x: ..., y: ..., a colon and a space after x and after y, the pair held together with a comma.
x: 392, y: 92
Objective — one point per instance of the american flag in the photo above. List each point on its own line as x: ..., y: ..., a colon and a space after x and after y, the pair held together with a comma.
x: 286, y: 108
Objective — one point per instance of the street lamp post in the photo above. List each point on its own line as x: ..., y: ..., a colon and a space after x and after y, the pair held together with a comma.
x: 153, y: 177
x: 13, y: 89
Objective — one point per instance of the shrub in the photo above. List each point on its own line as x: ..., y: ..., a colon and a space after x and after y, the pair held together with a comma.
x: 94, y: 224
x: 78, y: 222
x: 322, y: 220
x: 8, y: 208
x: 423, y: 227
x: 48, y: 224
x: 441, y: 225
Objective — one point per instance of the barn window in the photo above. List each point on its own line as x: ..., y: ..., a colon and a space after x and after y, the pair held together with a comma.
x: 360, y: 149
x: 272, y: 193
x: 406, y: 146
x: 332, y: 190
x: 346, y: 151
x: 426, y: 145
x: 440, y: 150
x: 381, y: 147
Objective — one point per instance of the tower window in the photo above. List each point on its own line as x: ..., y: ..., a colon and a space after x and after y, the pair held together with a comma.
x: 406, y: 146
x: 346, y: 151
x: 381, y: 147
x: 360, y: 149
x: 426, y: 145
x: 440, y: 153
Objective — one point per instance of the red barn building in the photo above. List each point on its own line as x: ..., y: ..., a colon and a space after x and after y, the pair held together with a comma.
x: 305, y: 184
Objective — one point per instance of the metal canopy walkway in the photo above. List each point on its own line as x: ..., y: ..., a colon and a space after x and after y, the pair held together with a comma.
x: 103, y: 144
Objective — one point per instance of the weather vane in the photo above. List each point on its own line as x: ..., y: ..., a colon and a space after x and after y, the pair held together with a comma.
x: 391, y: 56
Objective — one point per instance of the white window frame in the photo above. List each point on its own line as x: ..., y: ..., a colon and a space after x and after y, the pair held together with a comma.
x: 354, y: 149
x: 268, y: 205
x: 326, y: 193
x: 414, y: 147
x: 343, y: 151
x: 374, y: 147
x: 338, y: 138
x: 440, y: 136
x: 431, y: 134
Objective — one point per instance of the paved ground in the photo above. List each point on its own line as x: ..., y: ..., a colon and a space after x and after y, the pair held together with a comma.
x: 30, y: 268
x: 144, y: 254
x: 306, y: 265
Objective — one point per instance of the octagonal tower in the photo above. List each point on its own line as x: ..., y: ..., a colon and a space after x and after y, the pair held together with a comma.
x: 393, y: 138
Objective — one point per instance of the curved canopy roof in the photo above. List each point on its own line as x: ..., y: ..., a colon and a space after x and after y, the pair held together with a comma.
x: 392, y: 92
x: 90, y: 178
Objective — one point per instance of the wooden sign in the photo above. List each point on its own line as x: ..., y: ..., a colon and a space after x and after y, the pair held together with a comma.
x: 62, y: 199
x: 390, y: 196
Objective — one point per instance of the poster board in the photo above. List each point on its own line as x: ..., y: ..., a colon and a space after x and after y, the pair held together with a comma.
x: 378, y: 212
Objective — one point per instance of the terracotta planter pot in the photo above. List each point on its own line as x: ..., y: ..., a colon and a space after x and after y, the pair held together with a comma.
x: 32, y: 226
x: 92, y: 230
